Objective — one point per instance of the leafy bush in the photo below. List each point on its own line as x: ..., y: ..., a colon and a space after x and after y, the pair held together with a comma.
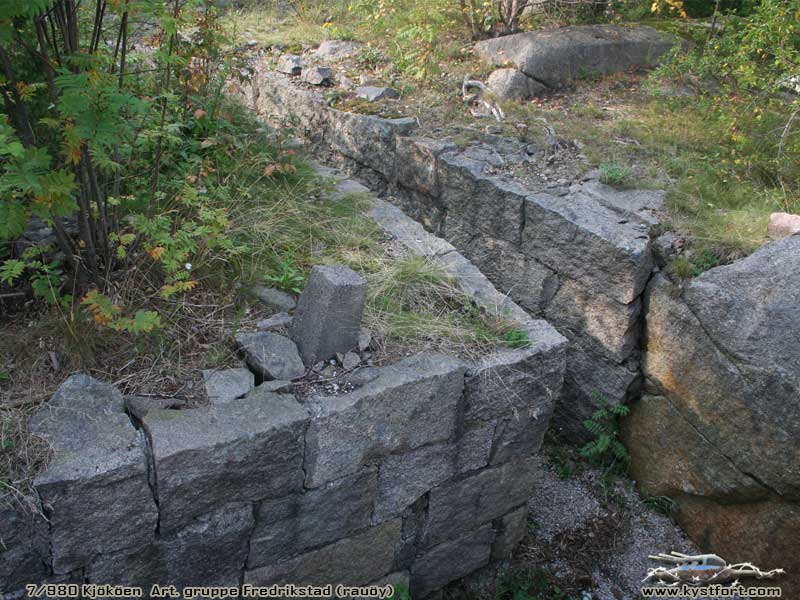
x: 288, y: 277
x: 753, y: 61
x: 92, y: 135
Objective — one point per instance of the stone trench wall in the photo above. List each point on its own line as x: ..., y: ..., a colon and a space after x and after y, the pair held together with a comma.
x: 717, y: 359
x: 578, y: 257
x: 420, y: 474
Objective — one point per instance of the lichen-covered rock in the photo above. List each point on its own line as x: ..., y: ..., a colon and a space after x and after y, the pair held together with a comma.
x: 724, y: 355
x: 728, y: 359
x: 95, y: 490
x: 669, y: 457
x: 764, y: 533
x: 244, y: 451
x: 225, y: 385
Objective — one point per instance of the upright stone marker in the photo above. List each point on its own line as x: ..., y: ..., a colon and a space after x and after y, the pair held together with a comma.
x: 328, y: 316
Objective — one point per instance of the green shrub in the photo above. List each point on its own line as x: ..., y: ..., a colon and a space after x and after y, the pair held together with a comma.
x: 605, y: 449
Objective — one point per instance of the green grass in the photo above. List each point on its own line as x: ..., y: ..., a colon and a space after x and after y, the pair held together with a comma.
x: 614, y: 174
x: 720, y: 191
x: 291, y: 222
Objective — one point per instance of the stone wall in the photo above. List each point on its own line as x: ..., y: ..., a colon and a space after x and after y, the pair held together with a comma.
x: 420, y: 473
x: 579, y: 256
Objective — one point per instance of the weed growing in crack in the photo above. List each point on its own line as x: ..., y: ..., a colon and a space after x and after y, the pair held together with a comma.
x: 605, y: 450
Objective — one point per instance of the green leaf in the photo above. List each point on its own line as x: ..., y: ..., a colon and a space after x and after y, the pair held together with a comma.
x: 11, y: 270
x: 145, y: 321
x: 13, y: 220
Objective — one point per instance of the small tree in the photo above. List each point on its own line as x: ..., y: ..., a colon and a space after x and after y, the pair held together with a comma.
x: 482, y: 17
x: 74, y: 123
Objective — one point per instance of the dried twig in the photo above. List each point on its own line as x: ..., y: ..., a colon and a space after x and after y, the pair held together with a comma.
x: 484, y: 96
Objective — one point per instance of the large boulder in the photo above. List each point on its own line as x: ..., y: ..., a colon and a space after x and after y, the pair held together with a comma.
x: 553, y: 56
x: 721, y: 436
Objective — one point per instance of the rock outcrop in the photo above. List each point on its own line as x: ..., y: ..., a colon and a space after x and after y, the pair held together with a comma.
x: 550, y: 57
x: 719, y: 432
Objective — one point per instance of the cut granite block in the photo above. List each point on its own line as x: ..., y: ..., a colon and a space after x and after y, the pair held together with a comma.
x: 245, y: 451
x: 95, y: 490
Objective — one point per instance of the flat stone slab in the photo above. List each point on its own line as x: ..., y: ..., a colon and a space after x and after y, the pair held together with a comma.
x: 95, y: 488
x: 271, y: 356
x: 407, y: 231
x: 228, y: 384
x: 245, y: 451
x: 552, y: 56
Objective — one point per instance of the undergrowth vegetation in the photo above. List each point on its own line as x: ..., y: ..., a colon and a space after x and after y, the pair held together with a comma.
x: 716, y: 125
